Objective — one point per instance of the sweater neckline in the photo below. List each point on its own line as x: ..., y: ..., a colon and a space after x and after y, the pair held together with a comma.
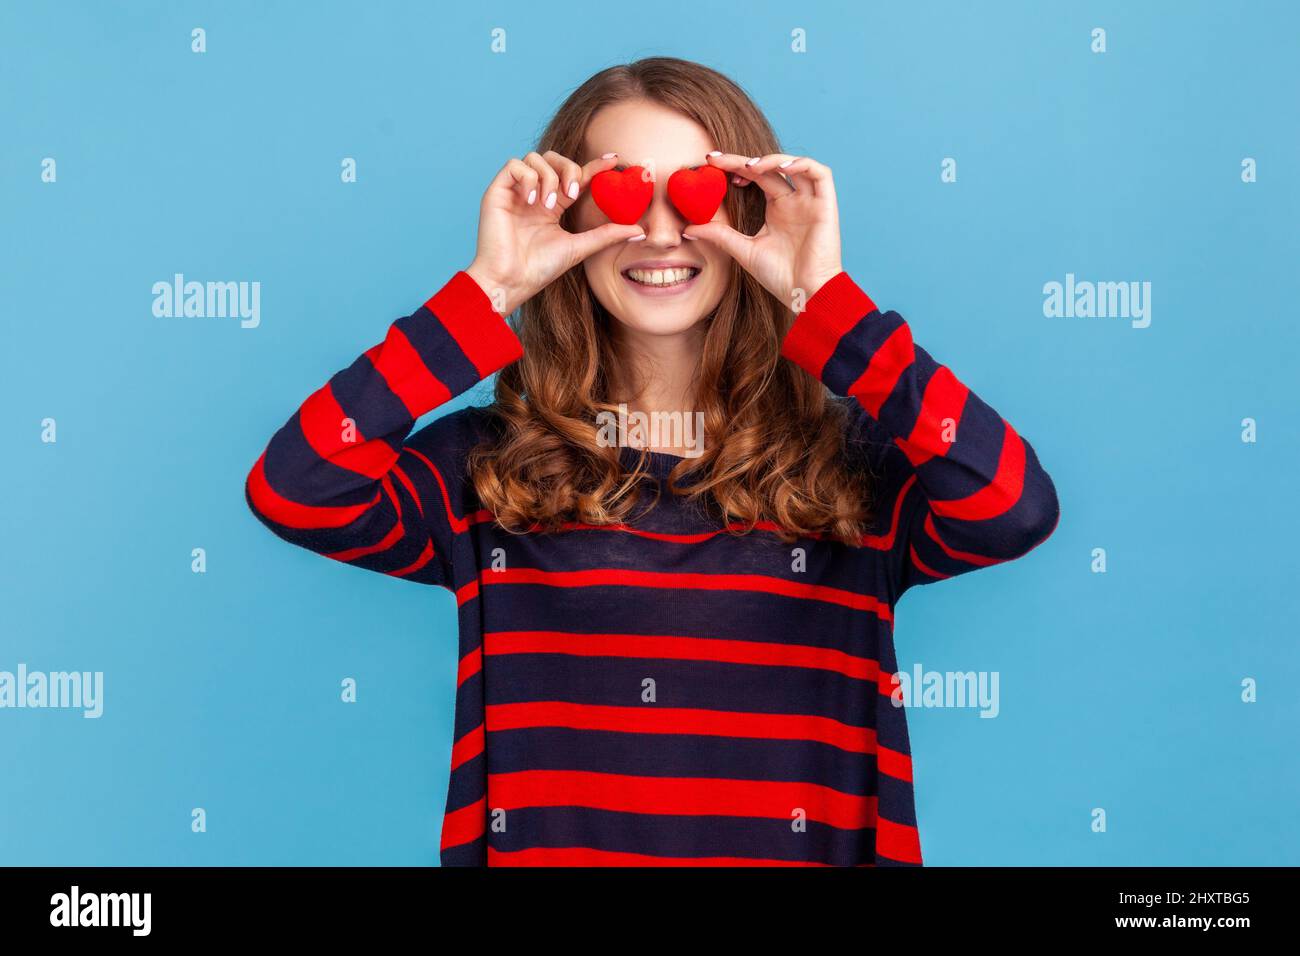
x: 658, y: 463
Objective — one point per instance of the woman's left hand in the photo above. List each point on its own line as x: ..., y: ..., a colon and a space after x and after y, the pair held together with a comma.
x: 798, y: 248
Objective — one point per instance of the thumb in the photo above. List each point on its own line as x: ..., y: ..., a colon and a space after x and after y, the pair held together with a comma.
x: 731, y: 241
x: 593, y: 240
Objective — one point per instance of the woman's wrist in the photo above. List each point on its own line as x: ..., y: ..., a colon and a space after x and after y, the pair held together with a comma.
x: 812, y: 283
x: 504, y: 299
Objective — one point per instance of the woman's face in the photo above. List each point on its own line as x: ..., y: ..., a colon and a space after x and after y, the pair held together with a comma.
x: 644, y: 133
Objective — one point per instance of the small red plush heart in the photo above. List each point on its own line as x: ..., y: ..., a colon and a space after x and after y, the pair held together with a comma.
x: 623, y: 195
x: 697, y: 193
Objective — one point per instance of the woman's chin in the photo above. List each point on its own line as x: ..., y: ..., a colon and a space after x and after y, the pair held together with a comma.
x: 659, y: 320
x: 658, y: 314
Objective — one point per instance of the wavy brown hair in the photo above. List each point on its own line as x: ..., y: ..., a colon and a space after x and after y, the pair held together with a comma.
x: 775, y: 447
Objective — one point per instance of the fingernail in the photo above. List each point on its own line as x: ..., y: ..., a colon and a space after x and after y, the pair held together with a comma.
x: 550, y: 200
x: 715, y: 152
x: 608, y: 155
x: 532, y: 197
x: 692, y: 238
x: 636, y: 238
x: 573, y: 190
x: 751, y: 162
x: 738, y: 180
x: 785, y: 164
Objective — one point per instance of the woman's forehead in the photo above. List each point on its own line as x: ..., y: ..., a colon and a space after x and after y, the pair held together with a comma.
x: 644, y: 134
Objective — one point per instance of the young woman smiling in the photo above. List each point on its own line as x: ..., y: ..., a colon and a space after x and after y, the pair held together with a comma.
x: 664, y: 660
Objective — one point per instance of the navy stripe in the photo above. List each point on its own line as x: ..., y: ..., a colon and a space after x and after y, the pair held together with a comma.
x: 855, y: 348
x: 365, y: 397
x: 296, y: 472
x: 684, y: 755
x: 690, y: 684
x: 682, y: 836
x: 732, y: 615
x: 438, y: 350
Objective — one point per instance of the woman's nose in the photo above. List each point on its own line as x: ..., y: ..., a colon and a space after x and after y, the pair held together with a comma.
x: 662, y: 223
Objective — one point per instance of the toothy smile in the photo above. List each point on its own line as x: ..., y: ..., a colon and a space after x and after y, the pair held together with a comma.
x: 661, y: 278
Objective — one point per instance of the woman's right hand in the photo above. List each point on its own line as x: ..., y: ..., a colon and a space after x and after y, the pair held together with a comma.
x: 522, y: 248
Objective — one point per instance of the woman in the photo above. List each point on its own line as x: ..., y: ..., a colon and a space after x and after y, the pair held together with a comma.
x: 671, y: 652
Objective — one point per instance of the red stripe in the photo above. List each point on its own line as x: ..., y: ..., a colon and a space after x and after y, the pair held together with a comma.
x: 466, y: 312
x: 832, y: 311
x: 457, y: 524
x: 678, y: 796
x: 410, y: 488
x: 466, y: 593
x: 875, y: 542
x: 681, y: 648
x: 893, y: 763
x: 923, y: 567
x: 425, y: 557
x: 468, y: 747
x: 876, y: 383
x: 281, y: 510
x: 584, y: 856
x: 943, y: 402
x: 970, y: 558
x: 395, y: 535
x: 1001, y: 494
x: 407, y: 376
x: 897, y: 841
x: 681, y: 720
x: 464, y: 825
x: 483, y: 516
x: 885, y: 542
x: 469, y: 665
x: 694, y: 538
x: 321, y: 418
x: 390, y: 539
x: 618, y: 577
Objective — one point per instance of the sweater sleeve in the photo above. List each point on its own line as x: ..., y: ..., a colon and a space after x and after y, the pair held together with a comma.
x: 963, y: 489
x: 341, y: 479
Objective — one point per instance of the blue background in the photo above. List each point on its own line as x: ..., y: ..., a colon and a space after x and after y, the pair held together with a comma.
x: 1119, y: 690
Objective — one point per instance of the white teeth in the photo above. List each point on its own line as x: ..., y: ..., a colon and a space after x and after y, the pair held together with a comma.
x: 661, y: 276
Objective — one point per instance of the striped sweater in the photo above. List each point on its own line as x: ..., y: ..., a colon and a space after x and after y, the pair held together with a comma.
x: 664, y: 692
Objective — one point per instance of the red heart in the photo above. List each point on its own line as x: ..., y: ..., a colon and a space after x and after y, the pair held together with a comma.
x: 697, y: 193
x: 622, y: 195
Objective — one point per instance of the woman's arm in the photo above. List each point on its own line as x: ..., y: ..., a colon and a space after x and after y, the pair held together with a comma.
x: 338, y: 479
x: 973, y: 492
x: 970, y: 490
